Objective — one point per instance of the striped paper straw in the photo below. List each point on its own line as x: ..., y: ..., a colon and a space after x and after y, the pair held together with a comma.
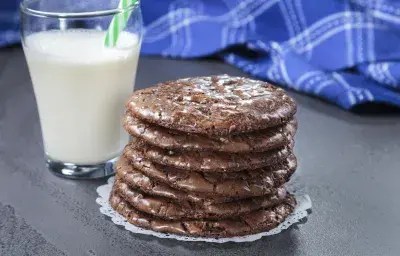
x: 118, y: 23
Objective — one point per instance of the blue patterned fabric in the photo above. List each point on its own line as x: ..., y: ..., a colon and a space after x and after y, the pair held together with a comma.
x: 344, y: 51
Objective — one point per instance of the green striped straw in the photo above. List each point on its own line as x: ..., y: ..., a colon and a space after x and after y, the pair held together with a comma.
x: 118, y: 23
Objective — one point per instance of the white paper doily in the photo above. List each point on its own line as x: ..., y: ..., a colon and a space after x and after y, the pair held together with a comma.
x: 300, y: 212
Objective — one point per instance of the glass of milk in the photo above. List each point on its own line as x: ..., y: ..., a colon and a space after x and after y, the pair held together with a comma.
x: 80, y: 85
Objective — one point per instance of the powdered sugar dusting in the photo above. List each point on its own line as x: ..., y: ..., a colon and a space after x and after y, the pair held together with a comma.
x: 226, y: 89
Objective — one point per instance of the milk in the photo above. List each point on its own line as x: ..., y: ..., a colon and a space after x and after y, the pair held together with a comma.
x: 80, y: 88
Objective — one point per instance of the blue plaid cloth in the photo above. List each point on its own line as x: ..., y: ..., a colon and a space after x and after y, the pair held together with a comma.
x: 344, y: 51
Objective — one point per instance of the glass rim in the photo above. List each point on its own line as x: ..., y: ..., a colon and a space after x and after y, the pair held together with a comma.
x: 24, y: 8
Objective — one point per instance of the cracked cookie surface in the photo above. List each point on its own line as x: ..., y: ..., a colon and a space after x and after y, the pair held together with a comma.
x: 217, y: 105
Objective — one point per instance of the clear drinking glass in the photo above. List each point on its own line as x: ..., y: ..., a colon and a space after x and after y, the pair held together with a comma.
x: 80, y: 85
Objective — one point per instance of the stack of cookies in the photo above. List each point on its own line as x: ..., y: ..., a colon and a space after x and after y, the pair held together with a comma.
x: 209, y: 157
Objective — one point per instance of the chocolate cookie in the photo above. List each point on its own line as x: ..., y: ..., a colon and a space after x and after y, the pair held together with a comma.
x: 137, y: 180
x: 257, y: 141
x: 251, y: 223
x: 234, y: 184
x: 211, y: 161
x: 218, y: 105
x: 168, y: 209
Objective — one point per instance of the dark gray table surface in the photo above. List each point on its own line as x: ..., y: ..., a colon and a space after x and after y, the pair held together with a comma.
x: 349, y: 165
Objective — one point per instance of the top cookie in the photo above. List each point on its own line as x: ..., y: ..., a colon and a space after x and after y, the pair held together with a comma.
x: 217, y: 105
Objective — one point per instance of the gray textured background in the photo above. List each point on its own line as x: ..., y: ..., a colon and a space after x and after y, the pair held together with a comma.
x: 349, y: 165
